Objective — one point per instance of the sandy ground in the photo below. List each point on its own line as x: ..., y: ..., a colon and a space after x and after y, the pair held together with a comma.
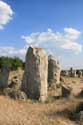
x: 32, y: 113
x: 75, y: 83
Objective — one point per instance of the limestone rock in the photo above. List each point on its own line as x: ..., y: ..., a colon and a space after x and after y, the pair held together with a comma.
x: 15, y: 94
x: 80, y: 116
x: 79, y: 111
x: 79, y: 73
x: 4, y: 75
x: 15, y: 83
x: 72, y: 72
x: 81, y: 94
x: 62, y: 79
x: 53, y: 70
x: 64, y: 73
x: 35, y: 77
x: 66, y: 91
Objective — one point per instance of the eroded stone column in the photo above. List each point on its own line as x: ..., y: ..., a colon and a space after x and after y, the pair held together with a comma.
x: 4, y: 75
x: 36, y: 73
x: 72, y: 72
x: 53, y: 70
x: 79, y: 73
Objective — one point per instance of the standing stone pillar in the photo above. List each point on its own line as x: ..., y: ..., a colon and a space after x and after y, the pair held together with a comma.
x: 79, y: 73
x: 64, y: 73
x: 53, y: 70
x: 36, y: 72
x: 82, y: 73
x: 4, y: 75
x: 74, y: 73
x: 71, y: 72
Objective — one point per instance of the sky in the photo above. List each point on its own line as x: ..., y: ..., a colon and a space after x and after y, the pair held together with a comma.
x: 55, y: 25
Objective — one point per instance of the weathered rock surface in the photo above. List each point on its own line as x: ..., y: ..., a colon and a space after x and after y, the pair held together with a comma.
x: 79, y: 73
x: 15, y: 94
x: 79, y: 111
x: 62, y: 79
x: 80, y: 116
x: 35, y: 76
x: 53, y: 70
x: 4, y: 75
x: 80, y: 94
x: 64, y: 73
x: 15, y: 83
x: 66, y: 91
x: 72, y: 72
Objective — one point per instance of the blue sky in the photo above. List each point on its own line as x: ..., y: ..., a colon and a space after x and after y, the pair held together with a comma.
x: 55, y: 25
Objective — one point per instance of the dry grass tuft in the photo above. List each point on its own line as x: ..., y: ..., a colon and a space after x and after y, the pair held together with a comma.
x: 30, y: 113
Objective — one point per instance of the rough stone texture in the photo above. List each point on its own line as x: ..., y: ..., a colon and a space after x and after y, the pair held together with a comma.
x: 19, y: 73
x: 15, y: 83
x: 66, y: 91
x: 15, y: 94
x: 35, y: 76
x: 79, y: 73
x: 4, y: 75
x: 80, y: 94
x: 72, y: 72
x: 64, y: 73
x: 79, y: 111
x: 62, y: 79
x: 53, y: 70
x: 80, y: 116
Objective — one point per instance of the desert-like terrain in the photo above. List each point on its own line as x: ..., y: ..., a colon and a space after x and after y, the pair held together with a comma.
x: 34, y: 113
x: 55, y: 111
x: 41, y: 62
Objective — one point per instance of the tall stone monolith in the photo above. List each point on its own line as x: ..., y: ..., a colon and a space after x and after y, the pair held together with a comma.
x: 79, y: 73
x: 4, y: 75
x: 53, y: 70
x: 65, y: 73
x: 72, y: 72
x: 36, y: 73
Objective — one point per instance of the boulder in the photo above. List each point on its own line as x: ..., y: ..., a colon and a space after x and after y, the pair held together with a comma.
x: 80, y: 94
x: 64, y: 73
x: 53, y: 70
x: 66, y: 91
x: 72, y: 72
x: 79, y: 111
x: 62, y: 79
x: 15, y: 94
x: 79, y: 73
x: 4, y: 75
x: 15, y: 83
x: 80, y: 116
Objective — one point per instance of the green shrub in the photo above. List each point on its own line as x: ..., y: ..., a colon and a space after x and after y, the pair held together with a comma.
x: 14, y: 62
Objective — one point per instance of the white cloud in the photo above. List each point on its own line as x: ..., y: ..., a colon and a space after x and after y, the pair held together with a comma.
x: 50, y: 39
x: 12, y: 51
x: 73, y: 46
x: 72, y: 33
x: 5, y: 14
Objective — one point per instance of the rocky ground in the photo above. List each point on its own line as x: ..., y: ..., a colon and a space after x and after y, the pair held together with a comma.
x: 56, y: 111
x: 75, y: 83
x: 34, y: 113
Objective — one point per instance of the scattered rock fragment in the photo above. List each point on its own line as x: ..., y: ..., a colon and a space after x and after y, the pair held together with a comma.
x: 66, y: 91
x: 15, y: 83
x: 4, y: 75
x: 15, y: 94
x: 53, y: 71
